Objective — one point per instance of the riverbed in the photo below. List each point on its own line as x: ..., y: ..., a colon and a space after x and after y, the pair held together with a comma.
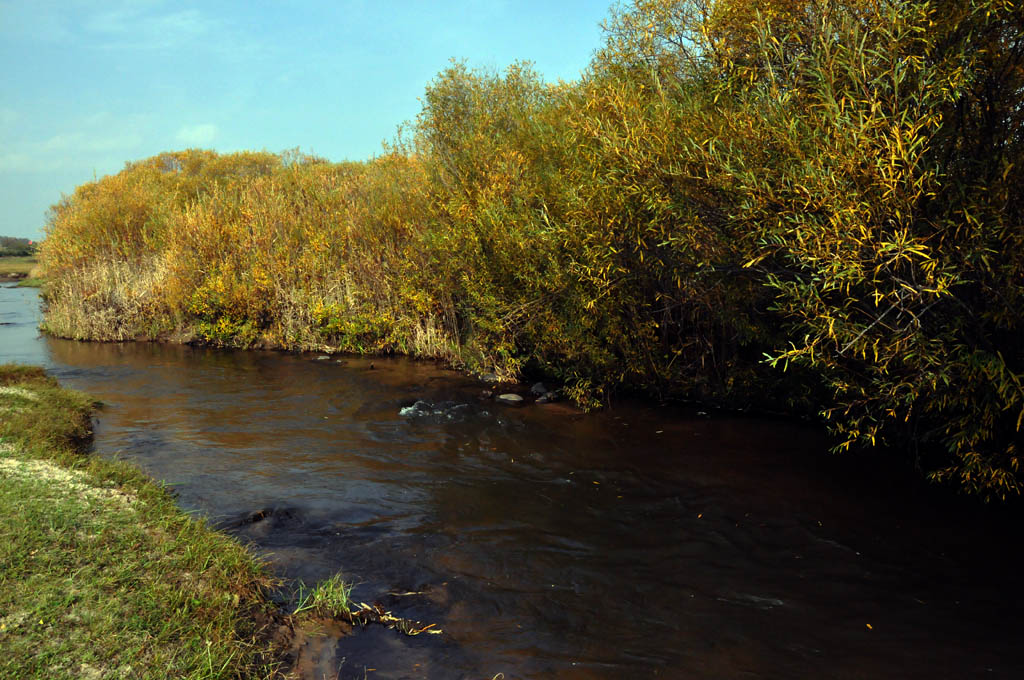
x: 641, y: 541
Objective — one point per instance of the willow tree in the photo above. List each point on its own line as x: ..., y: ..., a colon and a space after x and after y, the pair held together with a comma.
x: 870, y: 151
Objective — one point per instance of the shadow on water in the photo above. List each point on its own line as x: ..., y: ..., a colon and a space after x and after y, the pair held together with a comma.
x: 550, y: 544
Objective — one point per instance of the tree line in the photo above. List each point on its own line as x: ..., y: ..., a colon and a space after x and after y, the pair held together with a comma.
x: 14, y: 246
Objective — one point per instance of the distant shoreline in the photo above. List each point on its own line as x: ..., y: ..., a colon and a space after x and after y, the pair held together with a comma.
x: 16, y: 267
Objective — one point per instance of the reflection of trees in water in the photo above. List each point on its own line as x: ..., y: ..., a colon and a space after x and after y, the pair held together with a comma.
x: 540, y: 558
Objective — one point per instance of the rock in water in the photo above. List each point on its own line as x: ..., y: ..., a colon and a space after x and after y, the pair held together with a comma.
x: 539, y: 389
x: 510, y: 399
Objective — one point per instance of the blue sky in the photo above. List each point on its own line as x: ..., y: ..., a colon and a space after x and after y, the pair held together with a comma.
x: 86, y: 86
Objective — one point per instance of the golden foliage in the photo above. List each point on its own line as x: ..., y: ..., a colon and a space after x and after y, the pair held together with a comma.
x: 835, y: 186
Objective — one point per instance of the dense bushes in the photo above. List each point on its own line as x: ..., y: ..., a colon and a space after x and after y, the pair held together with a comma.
x: 741, y: 201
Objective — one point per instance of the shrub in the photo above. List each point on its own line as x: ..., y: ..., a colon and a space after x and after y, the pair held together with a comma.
x: 833, y: 187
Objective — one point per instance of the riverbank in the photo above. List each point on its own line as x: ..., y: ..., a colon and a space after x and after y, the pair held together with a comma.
x: 20, y: 269
x: 103, y: 575
x: 488, y: 522
x: 657, y: 231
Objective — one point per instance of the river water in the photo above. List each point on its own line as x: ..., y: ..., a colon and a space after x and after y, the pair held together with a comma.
x: 638, y: 542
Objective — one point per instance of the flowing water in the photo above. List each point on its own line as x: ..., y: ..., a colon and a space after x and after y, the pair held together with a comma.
x: 638, y: 542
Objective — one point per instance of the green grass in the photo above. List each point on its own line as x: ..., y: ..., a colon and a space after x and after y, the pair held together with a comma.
x: 328, y: 598
x: 101, y: 575
x: 17, y: 265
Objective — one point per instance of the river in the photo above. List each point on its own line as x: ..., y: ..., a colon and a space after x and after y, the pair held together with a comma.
x: 636, y: 542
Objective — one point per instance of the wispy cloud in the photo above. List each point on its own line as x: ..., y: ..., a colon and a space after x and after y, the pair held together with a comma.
x: 135, y: 25
x: 36, y: 21
x: 19, y: 162
x: 8, y: 117
x: 80, y: 141
x: 138, y: 27
x: 197, y: 135
x: 13, y: 162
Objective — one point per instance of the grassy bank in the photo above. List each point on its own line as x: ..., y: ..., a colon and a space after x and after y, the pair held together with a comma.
x: 101, y: 575
x: 812, y: 206
x: 17, y: 266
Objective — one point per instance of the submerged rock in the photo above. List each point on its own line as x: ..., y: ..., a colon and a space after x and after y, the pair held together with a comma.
x: 418, y: 408
x: 263, y: 522
x: 436, y: 412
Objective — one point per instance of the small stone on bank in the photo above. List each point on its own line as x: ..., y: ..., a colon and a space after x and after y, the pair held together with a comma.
x: 510, y: 399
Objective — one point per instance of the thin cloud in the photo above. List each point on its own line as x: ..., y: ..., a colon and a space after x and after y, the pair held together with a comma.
x: 77, y: 142
x: 81, y: 142
x: 8, y: 117
x: 17, y: 162
x: 46, y: 22
x: 134, y: 28
x: 138, y: 25
x: 197, y: 135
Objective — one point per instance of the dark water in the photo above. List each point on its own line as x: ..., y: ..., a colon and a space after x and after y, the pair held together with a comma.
x: 548, y: 544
